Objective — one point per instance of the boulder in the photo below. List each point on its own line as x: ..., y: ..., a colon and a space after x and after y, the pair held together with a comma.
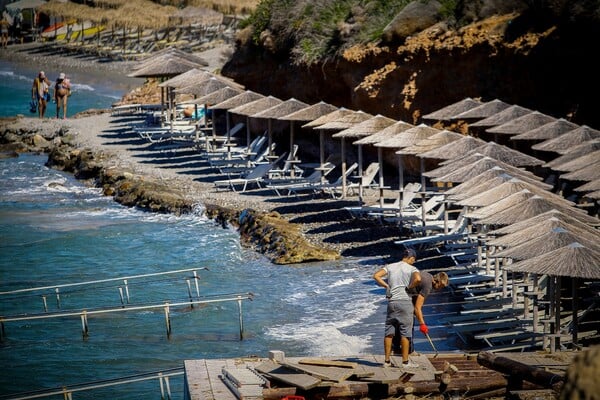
x: 413, y: 18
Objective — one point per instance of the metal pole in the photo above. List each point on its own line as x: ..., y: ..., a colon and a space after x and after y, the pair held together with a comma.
x: 84, y: 324
x: 57, y: 297
x: 189, y: 286
x: 121, y: 296
x: 168, y: 385
x: 167, y: 319
x: 162, y: 389
x: 45, y: 303
x: 196, y: 278
x: 126, y: 289
x: 241, y: 319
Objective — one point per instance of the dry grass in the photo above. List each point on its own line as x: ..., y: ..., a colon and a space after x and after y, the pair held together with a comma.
x: 227, y: 6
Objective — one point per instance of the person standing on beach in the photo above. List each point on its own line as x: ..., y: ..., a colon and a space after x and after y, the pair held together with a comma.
x: 62, y: 90
x: 40, y: 92
x: 397, y: 278
x: 4, y: 25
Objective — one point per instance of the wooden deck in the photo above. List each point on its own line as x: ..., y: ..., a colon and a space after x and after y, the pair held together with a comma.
x: 356, y: 377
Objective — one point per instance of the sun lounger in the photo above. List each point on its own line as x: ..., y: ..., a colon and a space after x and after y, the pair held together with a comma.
x: 294, y: 186
x: 409, y: 192
x: 254, y: 176
x: 335, y: 187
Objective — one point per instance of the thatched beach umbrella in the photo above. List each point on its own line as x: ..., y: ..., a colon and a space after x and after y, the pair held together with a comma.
x: 500, y: 205
x: 590, y: 186
x: 468, y: 171
x: 202, y: 88
x: 482, y: 111
x: 245, y: 97
x: 452, y: 150
x: 341, y: 123
x: 191, y: 15
x: 432, y: 142
x: 190, y: 77
x: 566, y: 218
x: 575, y: 152
x: 506, y: 115
x: 531, y: 207
x: 218, y: 96
x: 488, y: 179
x: 388, y: 132
x: 281, y: 110
x: 507, y: 188
x: 535, y: 230
x: 362, y: 130
x: 254, y: 107
x: 565, y: 142
x: 574, y: 261
x: 586, y: 174
x: 522, y: 124
x: 579, y: 162
x: 447, y: 113
x: 547, y: 131
x: 505, y: 154
x: 311, y: 113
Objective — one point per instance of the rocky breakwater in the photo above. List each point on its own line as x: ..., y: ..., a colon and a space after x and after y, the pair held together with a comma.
x: 270, y: 234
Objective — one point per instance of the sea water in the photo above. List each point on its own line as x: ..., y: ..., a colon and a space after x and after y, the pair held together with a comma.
x: 56, y: 231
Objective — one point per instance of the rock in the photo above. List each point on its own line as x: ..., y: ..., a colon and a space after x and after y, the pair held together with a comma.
x: 415, y: 17
x: 581, y: 379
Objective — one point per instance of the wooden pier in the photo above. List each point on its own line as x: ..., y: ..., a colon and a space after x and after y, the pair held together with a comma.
x: 361, y: 376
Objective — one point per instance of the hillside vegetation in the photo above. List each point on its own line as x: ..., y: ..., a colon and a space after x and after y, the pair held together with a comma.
x: 404, y: 59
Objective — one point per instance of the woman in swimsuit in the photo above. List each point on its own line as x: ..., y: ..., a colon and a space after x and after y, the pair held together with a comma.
x: 39, y: 92
x: 62, y: 87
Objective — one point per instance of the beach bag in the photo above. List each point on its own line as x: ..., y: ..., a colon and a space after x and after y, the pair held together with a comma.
x: 32, y: 107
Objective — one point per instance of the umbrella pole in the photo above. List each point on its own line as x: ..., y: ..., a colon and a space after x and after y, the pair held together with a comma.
x: 574, y: 282
x: 322, y: 152
x: 343, y: 144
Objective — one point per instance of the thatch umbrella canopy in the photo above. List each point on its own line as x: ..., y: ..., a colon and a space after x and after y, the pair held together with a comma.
x: 432, y: 142
x: 508, y: 114
x: 542, y: 242
x: 486, y: 180
x: 310, y: 113
x: 190, y: 77
x: 591, y: 186
x: 386, y: 133
x: 507, y: 188
x: 454, y: 164
x: 541, y: 226
x: 547, y: 131
x: 454, y: 149
x: 565, y: 142
x: 245, y: 97
x: 447, y: 113
x: 168, y: 68
x: 587, y: 173
x: 196, y: 16
x: 218, y: 96
x: 531, y: 207
x: 482, y: 111
x: 325, y: 118
x: 202, y: 88
x: 409, y: 137
x: 576, y: 151
x: 281, y: 110
x: 505, y: 154
x: 253, y: 107
x: 579, y: 162
x: 566, y: 218
x: 470, y: 170
x: 500, y: 205
x: 575, y: 261
x: 522, y: 124
x: 170, y: 53
x: 595, y: 195
x: 364, y: 129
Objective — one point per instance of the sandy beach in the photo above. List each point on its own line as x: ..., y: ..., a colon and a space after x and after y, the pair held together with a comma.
x: 323, y: 222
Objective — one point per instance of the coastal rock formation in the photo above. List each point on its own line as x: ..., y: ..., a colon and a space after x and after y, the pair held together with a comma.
x: 281, y: 241
x: 532, y: 56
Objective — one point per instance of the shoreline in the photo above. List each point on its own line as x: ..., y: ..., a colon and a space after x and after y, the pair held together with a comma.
x: 323, y: 223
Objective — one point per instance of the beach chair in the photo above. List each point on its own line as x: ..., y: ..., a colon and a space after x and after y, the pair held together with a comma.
x: 254, y: 176
x: 335, y: 188
x: 293, y: 186
x: 381, y: 209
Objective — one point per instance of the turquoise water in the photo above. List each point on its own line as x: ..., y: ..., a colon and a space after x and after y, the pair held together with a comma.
x: 55, y: 231
x: 88, y: 91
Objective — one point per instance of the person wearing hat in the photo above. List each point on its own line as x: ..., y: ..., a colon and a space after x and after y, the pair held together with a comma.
x: 62, y: 89
x: 399, y: 278
x: 40, y: 92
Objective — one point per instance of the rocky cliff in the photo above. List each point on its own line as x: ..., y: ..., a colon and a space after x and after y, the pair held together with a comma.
x: 537, y: 61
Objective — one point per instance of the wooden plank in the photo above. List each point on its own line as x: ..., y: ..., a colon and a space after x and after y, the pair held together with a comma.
x: 286, y: 375
x: 327, y: 363
x: 334, y: 374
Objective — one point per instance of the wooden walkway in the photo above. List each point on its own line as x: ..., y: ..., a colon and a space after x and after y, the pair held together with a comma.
x: 353, y: 377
